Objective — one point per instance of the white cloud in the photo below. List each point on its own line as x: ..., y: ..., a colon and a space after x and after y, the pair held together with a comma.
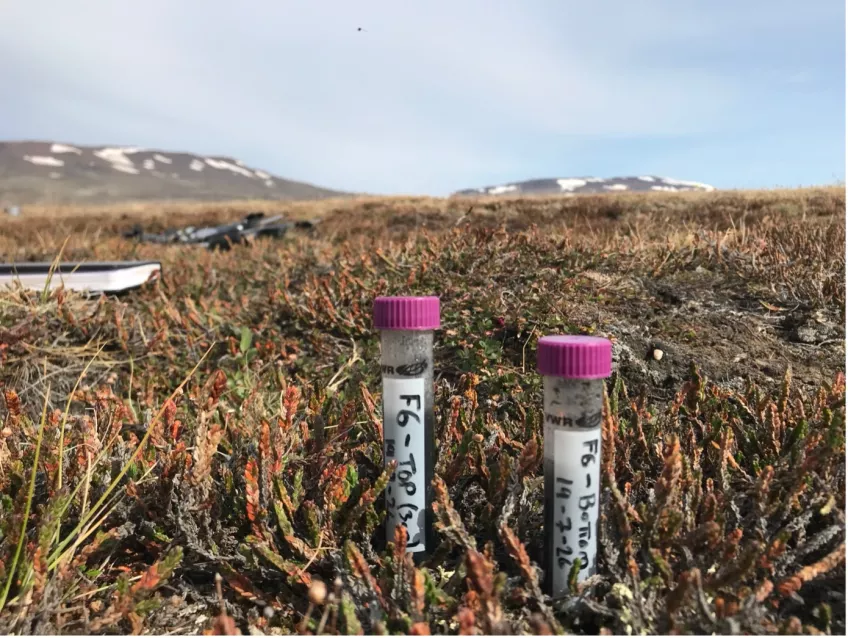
x: 427, y: 95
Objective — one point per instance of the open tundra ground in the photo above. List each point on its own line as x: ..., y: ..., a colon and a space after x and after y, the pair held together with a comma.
x: 227, y: 419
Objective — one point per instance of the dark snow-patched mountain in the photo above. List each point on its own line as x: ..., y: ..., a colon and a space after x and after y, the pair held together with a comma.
x: 576, y: 185
x: 50, y: 172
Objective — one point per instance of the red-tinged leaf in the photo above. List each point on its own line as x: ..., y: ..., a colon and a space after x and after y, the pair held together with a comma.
x: 294, y: 572
x: 252, y: 492
x: 158, y: 572
x: 467, y: 622
x: 360, y: 567
x: 265, y: 442
x: 770, y: 307
x: 170, y: 413
x: 243, y: 587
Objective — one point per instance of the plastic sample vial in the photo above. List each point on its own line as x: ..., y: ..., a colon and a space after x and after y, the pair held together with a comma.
x: 573, y: 368
x: 406, y: 342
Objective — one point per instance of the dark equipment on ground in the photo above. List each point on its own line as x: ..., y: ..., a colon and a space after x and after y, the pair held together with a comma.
x: 225, y: 235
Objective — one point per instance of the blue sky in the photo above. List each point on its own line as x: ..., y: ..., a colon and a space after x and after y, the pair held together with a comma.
x: 433, y: 96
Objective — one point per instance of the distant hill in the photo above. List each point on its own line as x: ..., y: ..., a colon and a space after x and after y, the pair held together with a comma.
x: 52, y: 172
x: 550, y: 186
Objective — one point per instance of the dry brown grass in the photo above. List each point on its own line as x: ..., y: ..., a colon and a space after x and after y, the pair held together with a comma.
x: 455, y: 207
x: 224, y: 425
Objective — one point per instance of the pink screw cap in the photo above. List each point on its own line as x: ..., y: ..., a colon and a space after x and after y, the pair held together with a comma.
x: 406, y: 313
x: 574, y: 356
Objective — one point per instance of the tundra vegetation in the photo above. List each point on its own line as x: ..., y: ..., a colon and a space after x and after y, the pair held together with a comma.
x: 204, y: 454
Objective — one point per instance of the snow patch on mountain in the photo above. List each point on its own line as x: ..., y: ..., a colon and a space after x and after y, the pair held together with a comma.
x: 117, y: 157
x: 570, y: 184
x: 64, y: 148
x: 42, y: 160
x: 586, y: 185
x: 228, y: 166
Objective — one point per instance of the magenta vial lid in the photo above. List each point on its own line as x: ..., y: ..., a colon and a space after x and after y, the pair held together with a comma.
x: 574, y: 357
x: 406, y: 313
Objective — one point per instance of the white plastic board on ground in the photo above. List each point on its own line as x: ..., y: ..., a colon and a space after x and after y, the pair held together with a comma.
x: 91, y: 276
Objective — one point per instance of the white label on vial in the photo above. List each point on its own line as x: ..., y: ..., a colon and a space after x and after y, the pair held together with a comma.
x: 577, y: 461
x: 403, y: 434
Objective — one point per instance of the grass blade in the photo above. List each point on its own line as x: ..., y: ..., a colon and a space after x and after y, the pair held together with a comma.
x: 30, y: 492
